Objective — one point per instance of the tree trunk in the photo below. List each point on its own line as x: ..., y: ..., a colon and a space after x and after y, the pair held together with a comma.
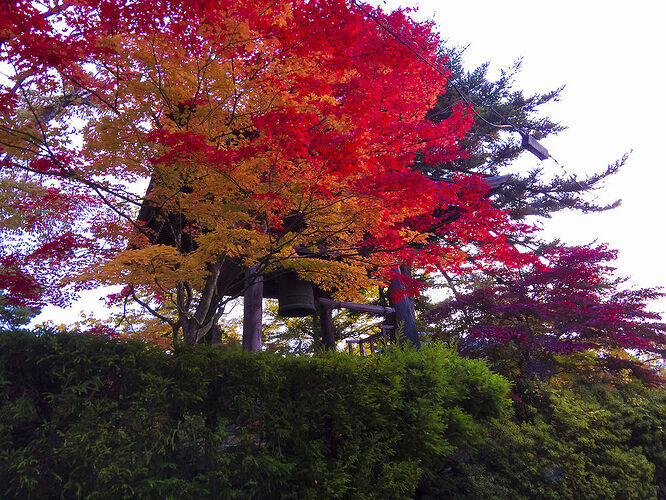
x: 405, y: 317
x: 191, y: 331
x: 252, y: 314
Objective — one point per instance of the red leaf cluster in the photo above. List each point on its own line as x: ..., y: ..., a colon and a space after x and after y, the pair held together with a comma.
x: 241, y: 114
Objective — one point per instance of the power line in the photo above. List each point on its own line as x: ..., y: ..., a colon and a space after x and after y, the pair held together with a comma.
x: 529, y: 142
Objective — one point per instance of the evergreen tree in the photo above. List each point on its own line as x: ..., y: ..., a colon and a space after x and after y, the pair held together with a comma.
x: 492, y: 151
x: 14, y: 317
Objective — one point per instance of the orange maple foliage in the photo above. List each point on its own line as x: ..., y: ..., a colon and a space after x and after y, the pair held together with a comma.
x: 276, y: 135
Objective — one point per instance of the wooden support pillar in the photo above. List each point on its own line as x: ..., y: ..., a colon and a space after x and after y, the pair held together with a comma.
x: 404, y: 309
x: 326, y: 324
x: 252, y: 314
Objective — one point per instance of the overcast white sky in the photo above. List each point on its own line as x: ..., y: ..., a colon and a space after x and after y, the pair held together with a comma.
x: 609, y: 54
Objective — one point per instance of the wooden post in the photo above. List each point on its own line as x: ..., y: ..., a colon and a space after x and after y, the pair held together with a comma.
x: 327, y: 328
x: 404, y: 309
x: 252, y: 314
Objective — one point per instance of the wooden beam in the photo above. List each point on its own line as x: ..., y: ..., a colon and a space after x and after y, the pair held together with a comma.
x: 355, y: 306
x: 371, y: 339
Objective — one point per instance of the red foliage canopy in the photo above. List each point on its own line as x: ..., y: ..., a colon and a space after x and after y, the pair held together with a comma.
x: 241, y: 114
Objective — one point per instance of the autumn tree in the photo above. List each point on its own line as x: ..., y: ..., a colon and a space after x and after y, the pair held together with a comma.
x: 574, y: 303
x: 185, y: 146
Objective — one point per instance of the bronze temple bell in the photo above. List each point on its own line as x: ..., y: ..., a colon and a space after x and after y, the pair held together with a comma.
x: 295, y: 296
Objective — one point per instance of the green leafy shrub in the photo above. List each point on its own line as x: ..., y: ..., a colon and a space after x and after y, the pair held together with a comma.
x: 82, y: 416
x: 590, y: 442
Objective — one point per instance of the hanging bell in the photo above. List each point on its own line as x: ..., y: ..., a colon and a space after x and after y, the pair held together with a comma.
x: 295, y: 297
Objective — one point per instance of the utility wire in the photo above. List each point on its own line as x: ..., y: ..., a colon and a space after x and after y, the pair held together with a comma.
x: 467, y: 101
x: 529, y: 142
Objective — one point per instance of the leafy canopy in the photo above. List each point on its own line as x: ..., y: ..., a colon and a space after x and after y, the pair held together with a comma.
x: 172, y: 146
x: 573, y: 304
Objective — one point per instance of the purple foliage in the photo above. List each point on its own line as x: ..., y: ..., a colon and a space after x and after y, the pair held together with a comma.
x: 574, y: 303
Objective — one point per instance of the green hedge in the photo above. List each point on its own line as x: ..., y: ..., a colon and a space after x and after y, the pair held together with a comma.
x: 593, y: 442
x: 82, y: 416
